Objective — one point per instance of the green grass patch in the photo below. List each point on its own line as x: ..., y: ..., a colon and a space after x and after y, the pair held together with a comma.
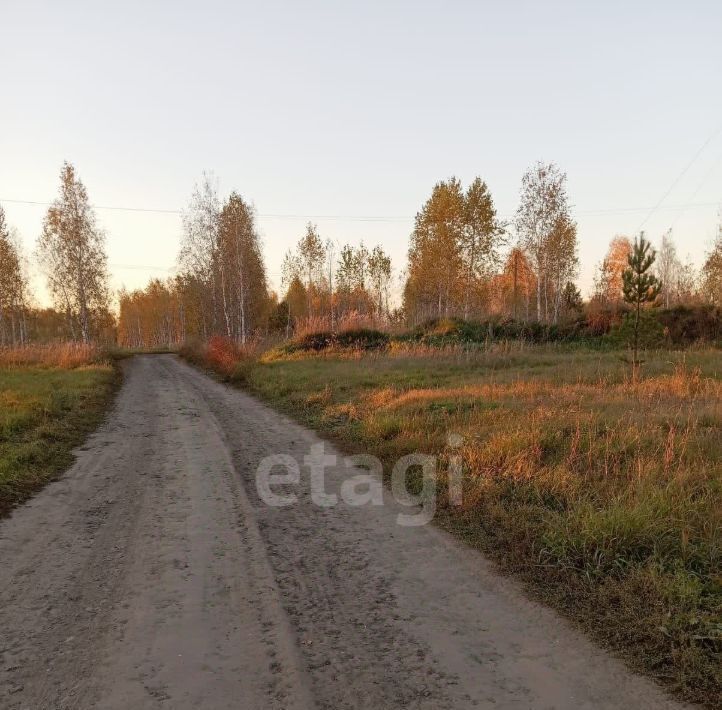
x: 44, y: 413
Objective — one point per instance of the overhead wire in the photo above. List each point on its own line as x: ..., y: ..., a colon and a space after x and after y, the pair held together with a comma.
x: 679, y: 177
x: 368, y: 218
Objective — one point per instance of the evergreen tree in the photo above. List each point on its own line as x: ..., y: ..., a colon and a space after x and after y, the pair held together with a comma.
x: 639, y: 285
x: 572, y: 300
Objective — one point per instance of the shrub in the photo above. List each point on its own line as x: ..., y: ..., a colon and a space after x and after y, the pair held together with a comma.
x: 684, y: 325
x: 362, y: 338
x: 440, y: 332
x: 222, y: 355
x: 358, y: 339
x: 651, y: 330
x: 679, y: 326
x: 313, y: 341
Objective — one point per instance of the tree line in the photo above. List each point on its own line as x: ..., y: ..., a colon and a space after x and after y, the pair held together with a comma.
x: 71, y: 252
x: 457, y: 245
x: 463, y: 261
x: 222, y: 286
x: 326, y: 285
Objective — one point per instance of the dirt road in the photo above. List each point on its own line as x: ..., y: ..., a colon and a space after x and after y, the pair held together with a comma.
x: 153, y: 576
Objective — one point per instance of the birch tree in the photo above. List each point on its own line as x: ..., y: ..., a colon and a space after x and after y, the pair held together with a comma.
x: 668, y: 268
x: 379, y: 275
x: 241, y: 265
x: 562, y: 262
x: 71, y: 250
x: 353, y: 274
x: 13, y: 287
x: 517, y: 285
x: 480, y: 239
x: 200, y: 253
x: 543, y: 208
x: 712, y: 273
x: 291, y: 270
x: 608, y: 281
x: 330, y: 249
x: 435, y: 255
x: 311, y: 257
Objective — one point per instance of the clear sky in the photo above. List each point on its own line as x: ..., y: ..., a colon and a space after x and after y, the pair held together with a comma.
x: 356, y: 110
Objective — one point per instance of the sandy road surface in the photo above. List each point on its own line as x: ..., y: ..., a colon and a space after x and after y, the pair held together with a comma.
x: 152, y: 576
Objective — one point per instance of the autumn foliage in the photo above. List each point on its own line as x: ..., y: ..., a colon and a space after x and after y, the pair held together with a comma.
x: 464, y: 262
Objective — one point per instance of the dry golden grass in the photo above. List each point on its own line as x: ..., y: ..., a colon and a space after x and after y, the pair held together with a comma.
x: 63, y: 355
x: 350, y: 321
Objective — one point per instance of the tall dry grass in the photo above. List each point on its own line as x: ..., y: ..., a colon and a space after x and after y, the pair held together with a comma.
x: 68, y: 355
x: 350, y: 321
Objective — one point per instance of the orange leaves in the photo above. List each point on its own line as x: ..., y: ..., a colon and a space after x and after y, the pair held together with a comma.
x: 222, y: 354
x: 609, y: 280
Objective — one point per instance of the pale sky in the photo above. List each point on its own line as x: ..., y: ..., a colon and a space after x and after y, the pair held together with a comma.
x: 356, y: 110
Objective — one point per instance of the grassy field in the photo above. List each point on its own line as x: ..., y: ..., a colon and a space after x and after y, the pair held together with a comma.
x: 50, y: 399
x: 603, y: 495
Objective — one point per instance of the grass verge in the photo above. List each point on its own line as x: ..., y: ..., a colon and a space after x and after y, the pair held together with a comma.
x: 603, y: 495
x: 46, y: 410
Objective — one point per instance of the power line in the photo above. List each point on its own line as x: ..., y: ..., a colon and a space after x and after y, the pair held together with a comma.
x: 628, y: 210
x: 119, y: 208
x: 96, y: 207
x: 714, y: 166
x: 681, y: 175
x: 380, y: 218
x: 144, y: 267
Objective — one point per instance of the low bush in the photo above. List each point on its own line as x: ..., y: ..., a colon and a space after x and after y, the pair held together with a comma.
x: 598, y: 329
x: 651, y: 331
x: 222, y: 355
x: 355, y: 339
x: 680, y: 326
x: 312, y: 341
x: 684, y: 325
x: 453, y: 331
x: 362, y: 338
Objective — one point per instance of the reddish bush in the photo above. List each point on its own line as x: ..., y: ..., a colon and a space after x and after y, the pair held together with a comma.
x: 222, y: 354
